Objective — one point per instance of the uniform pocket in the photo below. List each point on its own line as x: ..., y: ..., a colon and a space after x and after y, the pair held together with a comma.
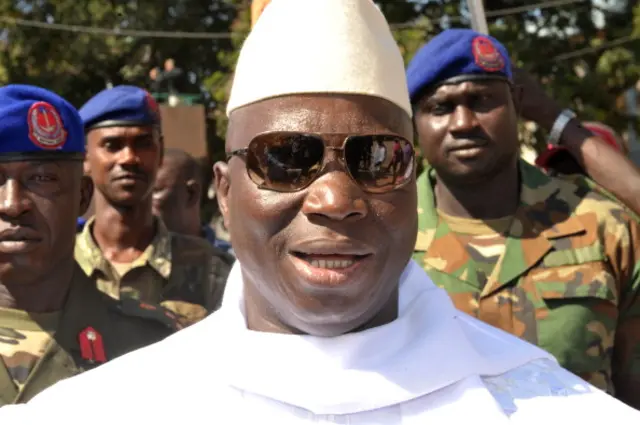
x: 578, y: 312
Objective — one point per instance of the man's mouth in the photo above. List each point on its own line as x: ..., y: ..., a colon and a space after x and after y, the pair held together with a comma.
x: 20, y: 240
x: 131, y: 177
x: 329, y: 261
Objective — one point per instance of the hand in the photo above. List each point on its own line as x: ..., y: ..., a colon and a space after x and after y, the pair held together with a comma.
x: 534, y: 103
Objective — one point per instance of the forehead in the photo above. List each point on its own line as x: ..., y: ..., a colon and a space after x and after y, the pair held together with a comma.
x: 119, y: 132
x: 170, y: 165
x: 18, y: 166
x: 345, y: 114
x: 468, y: 87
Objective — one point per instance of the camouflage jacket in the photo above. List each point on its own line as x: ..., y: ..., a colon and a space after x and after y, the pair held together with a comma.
x: 584, y: 181
x: 182, y: 273
x: 124, y: 326
x: 568, y: 280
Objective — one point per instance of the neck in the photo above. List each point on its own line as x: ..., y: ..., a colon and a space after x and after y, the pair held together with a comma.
x: 47, y: 294
x: 193, y: 225
x: 118, y: 229
x: 496, y: 197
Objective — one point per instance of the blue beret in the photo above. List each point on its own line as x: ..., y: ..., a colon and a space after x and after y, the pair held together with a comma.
x: 36, y: 123
x: 457, y: 54
x: 120, y: 106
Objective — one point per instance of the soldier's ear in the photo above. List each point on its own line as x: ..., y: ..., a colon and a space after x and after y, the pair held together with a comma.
x: 194, y: 192
x: 221, y: 183
x: 517, y: 92
x: 86, y: 193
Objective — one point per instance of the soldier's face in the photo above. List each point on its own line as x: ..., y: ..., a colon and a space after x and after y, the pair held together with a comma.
x: 123, y: 162
x: 468, y: 132
x: 171, y: 200
x: 39, y: 204
x: 293, y: 246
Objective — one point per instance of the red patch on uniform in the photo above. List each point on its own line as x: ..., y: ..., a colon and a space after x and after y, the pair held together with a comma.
x: 147, y: 306
x: 45, y: 126
x: 486, y: 55
x: 92, y: 346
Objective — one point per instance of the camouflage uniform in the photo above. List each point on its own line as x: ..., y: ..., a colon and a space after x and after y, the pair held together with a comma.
x: 31, y: 360
x: 587, y: 182
x: 568, y: 279
x: 182, y: 273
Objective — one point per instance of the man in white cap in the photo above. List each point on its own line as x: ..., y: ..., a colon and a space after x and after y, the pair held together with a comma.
x: 325, y: 319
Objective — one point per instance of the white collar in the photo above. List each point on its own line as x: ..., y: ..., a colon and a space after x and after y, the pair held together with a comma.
x: 427, y: 348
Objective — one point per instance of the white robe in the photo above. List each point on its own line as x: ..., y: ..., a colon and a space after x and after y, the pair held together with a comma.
x: 433, y: 365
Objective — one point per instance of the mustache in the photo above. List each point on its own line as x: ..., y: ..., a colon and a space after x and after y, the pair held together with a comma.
x: 475, y: 134
x: 133, y: 172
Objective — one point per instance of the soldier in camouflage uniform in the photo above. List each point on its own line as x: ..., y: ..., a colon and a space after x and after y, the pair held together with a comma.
x: 128, y: 251
x: 54, y: 323
x: 546, y: 259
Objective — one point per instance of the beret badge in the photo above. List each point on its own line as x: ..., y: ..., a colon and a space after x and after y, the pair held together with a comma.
x: 487, y: 55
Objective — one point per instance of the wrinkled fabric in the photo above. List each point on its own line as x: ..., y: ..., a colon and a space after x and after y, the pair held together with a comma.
x: 432, y: 364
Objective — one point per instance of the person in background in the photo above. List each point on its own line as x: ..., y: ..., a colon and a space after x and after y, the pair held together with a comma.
x: 177, y: 196
x: 128, y: 251
x: 540, y: 257
x: 54, y: 323
x: 326, y: 319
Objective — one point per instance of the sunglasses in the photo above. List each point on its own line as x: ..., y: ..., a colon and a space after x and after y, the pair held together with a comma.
x: 289, y: 161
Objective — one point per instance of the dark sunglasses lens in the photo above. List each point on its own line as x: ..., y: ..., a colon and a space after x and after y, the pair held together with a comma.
x: 379, y: 163
x: 284, y: 162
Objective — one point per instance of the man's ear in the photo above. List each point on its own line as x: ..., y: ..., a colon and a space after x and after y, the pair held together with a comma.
x: 86, y: 168
x: 222, y: 185
x: 517, y: 92
x: 86, y: 194
x: 194, y: 192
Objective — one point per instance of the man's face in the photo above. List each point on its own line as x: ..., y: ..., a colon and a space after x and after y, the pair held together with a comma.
x: 123, y: 162
x: 283, y: 240
x: 170, y: 195
x: 39, y: 203
x: 468, y: 131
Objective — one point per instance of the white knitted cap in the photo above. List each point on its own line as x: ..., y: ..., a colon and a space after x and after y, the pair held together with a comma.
x: 320, y: 46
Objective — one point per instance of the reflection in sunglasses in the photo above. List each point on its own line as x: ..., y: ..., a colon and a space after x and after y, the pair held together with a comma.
x: 289, y: 162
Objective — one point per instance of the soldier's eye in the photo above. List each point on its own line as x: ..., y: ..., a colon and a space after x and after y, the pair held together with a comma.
x: 44, y: 178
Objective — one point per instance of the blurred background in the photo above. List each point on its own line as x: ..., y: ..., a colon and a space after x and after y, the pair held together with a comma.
x: 585, y: 51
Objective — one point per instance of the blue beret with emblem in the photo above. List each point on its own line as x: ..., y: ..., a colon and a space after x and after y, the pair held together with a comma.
x: 38, y: 124
x: 120, y: 106
x: 457, y: 55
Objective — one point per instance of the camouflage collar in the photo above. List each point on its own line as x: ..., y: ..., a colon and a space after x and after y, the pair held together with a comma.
x: 536, y: 188
x: 542, y: 216
x: 157, y: 255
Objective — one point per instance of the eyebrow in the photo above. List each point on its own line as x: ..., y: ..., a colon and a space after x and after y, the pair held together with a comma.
x: 438, y: 96
x: 119, y: 137
x: 41, y: 163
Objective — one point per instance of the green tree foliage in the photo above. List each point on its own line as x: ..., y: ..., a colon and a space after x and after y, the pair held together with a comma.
x: 586, y: 54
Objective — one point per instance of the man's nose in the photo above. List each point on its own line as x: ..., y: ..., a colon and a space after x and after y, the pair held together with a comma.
x: 463, y: 119
x: 128, y: 155
x: 336, y: 197
x: 13, y: 199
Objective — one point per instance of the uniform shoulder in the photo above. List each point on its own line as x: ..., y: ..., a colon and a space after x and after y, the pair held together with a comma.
x: 583, y: 196
x: 586, y: 187
x: 146, y: 315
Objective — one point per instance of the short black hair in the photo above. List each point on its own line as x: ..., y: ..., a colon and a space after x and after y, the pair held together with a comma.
x: 187, y: 164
